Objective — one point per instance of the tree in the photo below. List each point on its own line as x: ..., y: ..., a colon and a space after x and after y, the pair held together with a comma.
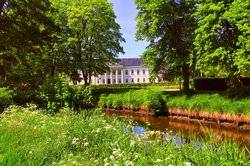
x: 26, y: 27
x: 169, y: 27
x: 222, y: 38
x: 93, y: 37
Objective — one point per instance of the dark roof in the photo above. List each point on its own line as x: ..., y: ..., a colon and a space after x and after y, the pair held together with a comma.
x: 131, y: 61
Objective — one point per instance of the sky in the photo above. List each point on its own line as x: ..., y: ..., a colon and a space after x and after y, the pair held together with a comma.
x: 125, y: 11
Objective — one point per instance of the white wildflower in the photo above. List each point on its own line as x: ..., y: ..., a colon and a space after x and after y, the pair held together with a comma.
x: 107, y: 127
x: 128, y: 163
x: 98, y: 130
x: 188, y: 164
x: 132, y: 143
x: 112, y: 157
x: 75, y: 141
x: 158, y: 161
x: 86, y: 144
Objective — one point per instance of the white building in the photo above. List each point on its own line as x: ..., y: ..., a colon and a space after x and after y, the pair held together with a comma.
x: 129, y: 70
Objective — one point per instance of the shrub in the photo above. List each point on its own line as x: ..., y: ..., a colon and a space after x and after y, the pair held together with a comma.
x: 80, y: 97
x: 6, y: 98
x: 55, y: 92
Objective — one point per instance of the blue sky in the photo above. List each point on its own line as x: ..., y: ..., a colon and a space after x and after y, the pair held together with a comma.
x: 126, y: 12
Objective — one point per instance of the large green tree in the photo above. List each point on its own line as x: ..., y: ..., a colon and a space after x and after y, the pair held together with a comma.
x: 169, y: 27
x: 92, y: 36
x: 222, y: 38
x: 26, y: 27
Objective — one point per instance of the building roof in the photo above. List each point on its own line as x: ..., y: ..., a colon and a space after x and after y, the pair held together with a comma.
x: 131, y: 61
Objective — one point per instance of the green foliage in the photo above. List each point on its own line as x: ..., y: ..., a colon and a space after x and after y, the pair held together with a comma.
x: 80, y: 97
x: 222, y: 36
x: 169, y: 27
x: 147, y: 99
x: 55, y: 92
x: 30, y: 137
x: 6, y: 98
x: 91, y: 36
x: 26, y: 28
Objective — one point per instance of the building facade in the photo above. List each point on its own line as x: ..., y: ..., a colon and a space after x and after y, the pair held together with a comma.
x: 129, y: 70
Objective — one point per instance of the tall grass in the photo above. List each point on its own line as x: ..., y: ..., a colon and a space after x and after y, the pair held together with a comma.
x: 150, y: 99
x: 31, y: 137
x: 211, y: 103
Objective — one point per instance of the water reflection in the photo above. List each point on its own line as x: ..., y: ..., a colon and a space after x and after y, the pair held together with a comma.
x: 184, y: 131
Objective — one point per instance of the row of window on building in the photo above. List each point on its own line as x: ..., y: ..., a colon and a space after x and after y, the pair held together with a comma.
x: 139, y: 80
x: 127, y: 72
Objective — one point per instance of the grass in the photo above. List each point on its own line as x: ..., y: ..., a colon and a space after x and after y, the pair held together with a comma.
x: 31, y: 137
x: 150, y: 99
x: 212, y: 103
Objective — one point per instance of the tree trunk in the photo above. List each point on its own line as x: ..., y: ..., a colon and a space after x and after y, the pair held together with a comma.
x: 185, y: 75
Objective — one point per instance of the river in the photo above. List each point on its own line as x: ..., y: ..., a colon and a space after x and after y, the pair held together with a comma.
x: 186, y: 129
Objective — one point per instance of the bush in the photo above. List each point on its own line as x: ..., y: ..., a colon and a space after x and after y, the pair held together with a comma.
x: 80, y: 97
x: 6, y: 98
x: 55, y: 92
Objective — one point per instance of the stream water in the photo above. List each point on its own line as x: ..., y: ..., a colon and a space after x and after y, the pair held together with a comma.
x: 185, y: 130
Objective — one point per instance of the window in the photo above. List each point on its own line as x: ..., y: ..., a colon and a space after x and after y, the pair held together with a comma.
x: 113, y: 72
x: 132, y: 80
x: 138, y: 72
x: 126, y: 80
x: 120, y: 81
x: 143, y: 71
x: 138, y: 80
x: 114, y: 81
x: 132, y: 72
x: 103, y: 81
x: 98, y: 81
x: 119, y: 72
x: 126, y: 72
x: 144, y: 80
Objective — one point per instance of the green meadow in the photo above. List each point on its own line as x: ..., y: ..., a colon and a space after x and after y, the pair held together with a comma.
x: 30, y: 136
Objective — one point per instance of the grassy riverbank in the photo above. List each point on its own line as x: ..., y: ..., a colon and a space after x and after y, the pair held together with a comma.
x: 211, y: 103
x: 30, y: 137
x: 154, y: 100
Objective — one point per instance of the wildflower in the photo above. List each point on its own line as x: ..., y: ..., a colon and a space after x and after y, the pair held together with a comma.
x: 86, y: 144
x: 112, y: 157
x: 71, y: 155
x: 30, y: 152
x: 107, y: 127
x: 74, y: 162
x: 98, y: 130
x: 188, y: 164
x: 158, y: 161
x: 75, y: 141
x: 137, y: 155
x: 132, y: 143
x: 129, y: 163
